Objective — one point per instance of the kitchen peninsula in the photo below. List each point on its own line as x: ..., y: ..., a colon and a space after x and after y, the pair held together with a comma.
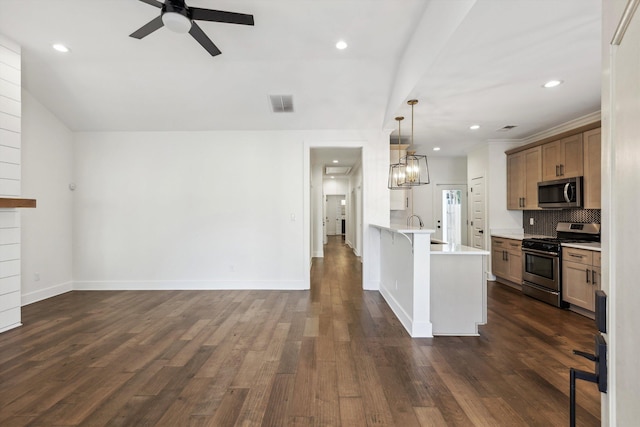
x: 433, y: 289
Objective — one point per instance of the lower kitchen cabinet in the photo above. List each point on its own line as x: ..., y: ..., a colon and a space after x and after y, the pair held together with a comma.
x: 580, y: 277
x: 506, y: 259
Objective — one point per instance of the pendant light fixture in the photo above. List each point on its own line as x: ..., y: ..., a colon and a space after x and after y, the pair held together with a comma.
x: 416, y: 169
x: 397, y: 170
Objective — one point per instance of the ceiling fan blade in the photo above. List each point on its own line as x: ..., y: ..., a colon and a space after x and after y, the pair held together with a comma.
x: 155, y: 3
x: 147, y: 29
x: 221, y: 16
x: 203, y: 39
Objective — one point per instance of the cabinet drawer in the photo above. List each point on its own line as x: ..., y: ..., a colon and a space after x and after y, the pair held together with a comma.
x: 597, y: 259
x: 506, y: 244
x: 577, y: 255
x: 514, y: 246
x: 497, y: 242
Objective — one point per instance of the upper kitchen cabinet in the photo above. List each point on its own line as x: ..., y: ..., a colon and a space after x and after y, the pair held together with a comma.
x: 562, y: 158
x: 524, y: 171
x: 570, y: 154
x: 592, y: 175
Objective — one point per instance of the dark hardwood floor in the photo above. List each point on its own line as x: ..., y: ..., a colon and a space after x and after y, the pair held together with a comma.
x: 334, y: 355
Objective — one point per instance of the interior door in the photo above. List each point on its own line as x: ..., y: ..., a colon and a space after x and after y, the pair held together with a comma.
x: 477, y: 222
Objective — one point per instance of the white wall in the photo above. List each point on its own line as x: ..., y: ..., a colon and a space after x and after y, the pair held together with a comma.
x: 354, y: 208
x: 317, y: 231
x: 442, y: 170
x: 335, y: 186
x: 47, y: 156
x: 176, y: 210
x: 188, y: 210
x: 10, y: 175
x: 620, y: 207
x: 490, y: 161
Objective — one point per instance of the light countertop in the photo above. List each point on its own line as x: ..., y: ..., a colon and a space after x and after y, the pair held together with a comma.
x: 592, y: 246
x: 453, y: 249
x: 405, y: 229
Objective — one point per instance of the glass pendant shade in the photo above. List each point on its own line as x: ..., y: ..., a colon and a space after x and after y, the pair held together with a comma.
x: 416, y: 170
x: 397, y: 170
x: 396, y: 175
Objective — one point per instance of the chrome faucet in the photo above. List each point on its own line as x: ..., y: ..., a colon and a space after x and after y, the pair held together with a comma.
x: 419, y: 219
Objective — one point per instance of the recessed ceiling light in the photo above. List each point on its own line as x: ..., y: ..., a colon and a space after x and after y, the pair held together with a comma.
x: 436, y: 148
x: 60, y: 48
x: 333, y: 177
x: 335, y: 161
x: 341, y: 45
x: 552, y: 83
x: 474, y: 127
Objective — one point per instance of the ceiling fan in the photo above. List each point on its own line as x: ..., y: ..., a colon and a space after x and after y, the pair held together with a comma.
x: 179, y: 17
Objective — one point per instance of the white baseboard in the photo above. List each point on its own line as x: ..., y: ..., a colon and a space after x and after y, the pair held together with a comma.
x: 415, y: 330
x: 8, y: 328
x: 42, y: 294
x: 188, y: 285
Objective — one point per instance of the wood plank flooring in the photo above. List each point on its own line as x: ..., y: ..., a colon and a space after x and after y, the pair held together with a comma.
x: 331, y: 356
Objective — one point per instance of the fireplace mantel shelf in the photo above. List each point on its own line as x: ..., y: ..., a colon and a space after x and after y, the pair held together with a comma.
x: 17, y: 203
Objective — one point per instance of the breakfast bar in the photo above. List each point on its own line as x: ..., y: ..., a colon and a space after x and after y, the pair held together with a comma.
x: 433, y: 289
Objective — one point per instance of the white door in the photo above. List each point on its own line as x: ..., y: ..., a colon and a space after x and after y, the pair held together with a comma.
x: 334, y: 214
x: 451, y: 213
x: 477, y: 222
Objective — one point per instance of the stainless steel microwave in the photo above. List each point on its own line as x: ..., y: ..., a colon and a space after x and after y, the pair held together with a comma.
x: 561, y: 193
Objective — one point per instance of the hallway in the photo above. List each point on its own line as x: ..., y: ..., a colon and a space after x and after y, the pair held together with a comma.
x: 334, y: 355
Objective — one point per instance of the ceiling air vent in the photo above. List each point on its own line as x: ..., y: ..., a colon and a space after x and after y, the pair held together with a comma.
x: 506, y: 128
x: 281, y: 103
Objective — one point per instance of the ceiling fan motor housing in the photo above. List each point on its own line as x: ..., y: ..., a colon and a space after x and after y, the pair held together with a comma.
x: 179, y: 18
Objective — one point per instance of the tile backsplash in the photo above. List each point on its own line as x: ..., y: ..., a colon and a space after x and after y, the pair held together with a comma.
x: 545, y: 221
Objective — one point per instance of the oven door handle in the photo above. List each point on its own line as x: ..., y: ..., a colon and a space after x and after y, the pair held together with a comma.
x: 534, y: 251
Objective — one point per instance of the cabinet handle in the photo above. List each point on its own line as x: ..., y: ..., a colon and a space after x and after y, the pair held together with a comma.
x: 575, y: 255
x: 407, y: 199
x: 557, y: 170
x: 561, y: 170
x: 587, y: 275
x: 506, y: 256
x: 593, y: 277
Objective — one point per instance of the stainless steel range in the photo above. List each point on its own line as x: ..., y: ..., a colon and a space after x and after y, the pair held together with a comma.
x: 542, y: 260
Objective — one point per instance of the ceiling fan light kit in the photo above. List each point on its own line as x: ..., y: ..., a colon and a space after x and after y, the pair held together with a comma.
x: 180, y: 18
x: 176, y: 22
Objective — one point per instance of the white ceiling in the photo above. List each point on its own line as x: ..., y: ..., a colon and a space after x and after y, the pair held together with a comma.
x: 466, y: 61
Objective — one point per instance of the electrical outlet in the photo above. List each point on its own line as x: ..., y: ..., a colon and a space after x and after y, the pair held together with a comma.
x: 530, y: 221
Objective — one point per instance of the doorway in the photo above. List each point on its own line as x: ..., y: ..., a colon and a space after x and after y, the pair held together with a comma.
x: 333, y: 171
x: 451, y: 213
